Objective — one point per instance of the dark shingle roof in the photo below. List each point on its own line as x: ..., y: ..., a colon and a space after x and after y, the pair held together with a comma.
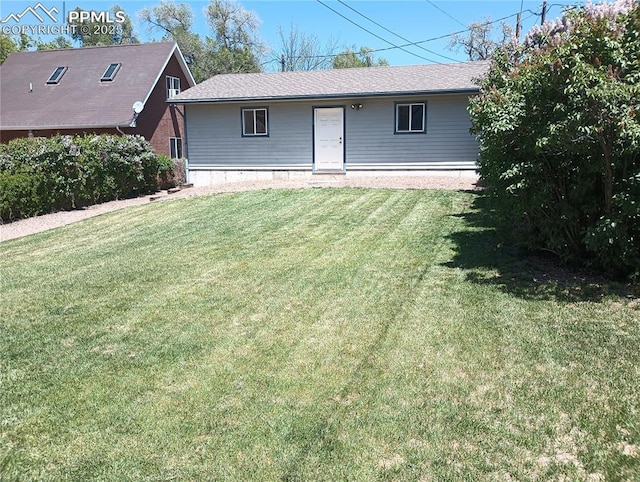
x: 357, y: 82
x: 80, y: 99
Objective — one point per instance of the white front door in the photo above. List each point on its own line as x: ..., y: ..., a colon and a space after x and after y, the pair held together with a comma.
x: 328, y: 142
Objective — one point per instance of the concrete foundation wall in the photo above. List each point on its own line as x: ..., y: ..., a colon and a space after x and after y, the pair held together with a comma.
x: 201, y: 178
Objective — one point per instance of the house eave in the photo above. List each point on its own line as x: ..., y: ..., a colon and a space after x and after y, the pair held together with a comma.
x: 65, y: 128
x: 185, y: 70
x: 227, y: 100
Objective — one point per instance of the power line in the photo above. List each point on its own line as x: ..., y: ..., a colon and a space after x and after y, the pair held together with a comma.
x: 448, y: 15
x: 410, y: 44
x: 393, y: 33
x: 401, y: 47
x: 460, y: 31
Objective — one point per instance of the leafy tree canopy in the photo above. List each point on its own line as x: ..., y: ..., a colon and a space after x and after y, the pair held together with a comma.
x: 9, y: 44
x: 361, y: 58
x: 233, y: 46
x: 59, y: 42
x: 91, y: 33
x: 479, y: 42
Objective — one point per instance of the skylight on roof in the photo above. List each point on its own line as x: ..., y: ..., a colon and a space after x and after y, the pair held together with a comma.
x: 57, y: 75
x: 110, y: 73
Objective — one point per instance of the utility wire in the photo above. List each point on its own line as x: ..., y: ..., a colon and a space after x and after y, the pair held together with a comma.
x: 448, y: 15
x: 393, y: 33
x: 401, y: 47
x: 460, y: 31
x: 563, y: 5
x: 433, y: 39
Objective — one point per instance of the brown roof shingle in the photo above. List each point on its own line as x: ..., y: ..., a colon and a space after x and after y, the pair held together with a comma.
x: 354, y: 82
x: 80, y: 99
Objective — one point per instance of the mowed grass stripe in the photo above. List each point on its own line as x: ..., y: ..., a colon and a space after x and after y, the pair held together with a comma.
x: 302, y: 335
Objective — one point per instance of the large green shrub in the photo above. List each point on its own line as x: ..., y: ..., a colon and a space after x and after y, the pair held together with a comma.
x: 559, y: 125
x: 117, y: 167
x: 171, y: 172
x: 18, y: 196
x: 42, y: 175
x: 52, y: 166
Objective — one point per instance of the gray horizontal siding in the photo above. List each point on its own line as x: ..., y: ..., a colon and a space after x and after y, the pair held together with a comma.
x: 371, y: 138
x: 214, y: 134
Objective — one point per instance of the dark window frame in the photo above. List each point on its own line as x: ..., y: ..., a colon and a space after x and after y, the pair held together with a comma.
x: 410, y: 118
x: 175, y: 145
x: 56, y: 75
x: 114, y: 67
x: 254, y: 118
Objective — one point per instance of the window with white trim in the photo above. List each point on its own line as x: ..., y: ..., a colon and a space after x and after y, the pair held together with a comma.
x: 173, y: 86
x: 175, y: 147
x: 254, y: 122
x: 57, y: 74
x: 410, y: 118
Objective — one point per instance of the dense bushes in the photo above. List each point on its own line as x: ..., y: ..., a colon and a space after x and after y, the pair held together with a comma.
x: 559, y: 124
x: 42, y: 175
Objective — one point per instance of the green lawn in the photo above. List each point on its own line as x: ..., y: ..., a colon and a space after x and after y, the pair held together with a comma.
x: 319, y: 334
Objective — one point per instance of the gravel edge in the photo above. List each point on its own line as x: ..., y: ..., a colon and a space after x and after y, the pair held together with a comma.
x: 38, y: 224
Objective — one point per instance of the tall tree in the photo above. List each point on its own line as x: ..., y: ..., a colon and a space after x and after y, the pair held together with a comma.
x: 236, y: 45
x: 301, y: 51
x: 362, y: 58
x: 89, y: 33
x: 8, y: 45
x: 479, y: 42
x: 175, y: 22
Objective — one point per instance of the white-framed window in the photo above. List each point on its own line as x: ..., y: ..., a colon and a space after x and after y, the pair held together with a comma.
x: 175, y: 147
x: 173, y: 86
x: 57, y: 74
x: 410, y: 117
x: 254, y: 122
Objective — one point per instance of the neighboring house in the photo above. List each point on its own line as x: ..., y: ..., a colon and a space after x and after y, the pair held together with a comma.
x: 93, y: 90
x: 375, y: 119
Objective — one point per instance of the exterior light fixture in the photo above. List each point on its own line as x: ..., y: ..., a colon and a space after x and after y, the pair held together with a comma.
x: 356, y: 106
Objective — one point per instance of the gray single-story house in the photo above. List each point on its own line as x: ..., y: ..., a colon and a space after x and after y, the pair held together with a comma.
x: 342, y: 121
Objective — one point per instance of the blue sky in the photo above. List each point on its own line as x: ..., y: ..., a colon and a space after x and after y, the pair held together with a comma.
x: 415, y: 20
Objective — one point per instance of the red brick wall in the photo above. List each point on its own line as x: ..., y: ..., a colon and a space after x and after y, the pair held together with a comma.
x: 159, y: 121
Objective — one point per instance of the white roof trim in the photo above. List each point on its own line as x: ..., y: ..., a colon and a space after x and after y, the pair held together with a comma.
x: 183, y: 65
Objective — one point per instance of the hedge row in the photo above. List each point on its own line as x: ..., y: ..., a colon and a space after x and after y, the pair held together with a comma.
x: 42, y: 175
x: 559, y: 124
